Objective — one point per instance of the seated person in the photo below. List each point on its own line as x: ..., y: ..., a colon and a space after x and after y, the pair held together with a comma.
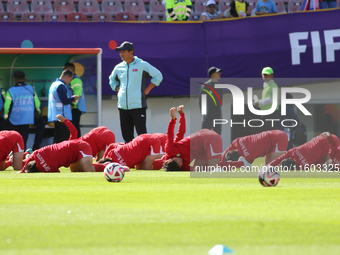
x: 204, y: 146
x: 264, y: 7
x: 238, y: 8
x: 11, y: 141
x: 315, y: 152
x: 211, y: 12
x: 268, y: 144
x: 75, y: 154
x: 138, y: 152
x: 98, y: 138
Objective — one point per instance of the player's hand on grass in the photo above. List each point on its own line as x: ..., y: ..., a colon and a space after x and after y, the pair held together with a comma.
x: 325, y: 134
x: 61, y: 118
x: 172, y: 113
x: 180, y: 109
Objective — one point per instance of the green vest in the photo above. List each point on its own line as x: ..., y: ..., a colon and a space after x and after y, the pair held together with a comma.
x: 267, y: 92
x: 240, y: 7
x: 179, y: 6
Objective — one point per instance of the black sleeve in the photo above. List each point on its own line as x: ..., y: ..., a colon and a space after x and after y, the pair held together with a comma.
x: 62, y: 92
x: 233, y: 11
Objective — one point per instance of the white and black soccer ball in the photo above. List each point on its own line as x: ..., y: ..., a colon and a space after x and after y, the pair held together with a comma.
x: 114, y: 172
x: 268, y: 177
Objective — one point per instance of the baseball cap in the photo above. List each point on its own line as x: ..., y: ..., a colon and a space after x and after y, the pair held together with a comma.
x: 267, y: 70
x: 211, y: 2
x: 214, y: 70
x: 126, y: 46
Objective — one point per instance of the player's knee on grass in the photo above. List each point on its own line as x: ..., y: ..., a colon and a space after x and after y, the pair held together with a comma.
x: 17, y: 160
x: 232, y: 156
x: 288, y: 164
x: 104, y: 160
x: 86, y: 165
x: 171, y: 165
x: 31, y: 167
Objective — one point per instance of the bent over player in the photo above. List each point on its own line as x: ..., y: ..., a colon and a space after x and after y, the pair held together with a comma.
x: 315, y: 152
x: 73, y: 153
x: 270, y: 144
x: 203, y: 146
x: 98, y: 138
x: 11, y: 141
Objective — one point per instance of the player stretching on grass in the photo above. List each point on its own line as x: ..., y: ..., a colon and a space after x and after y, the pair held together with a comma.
x: 270, y: 144
x: 98, y: 138
x: 73, y: 153
x: 140, y: 152
x: 205, y: 146
x: 11, y: 141
x: 316, y: 152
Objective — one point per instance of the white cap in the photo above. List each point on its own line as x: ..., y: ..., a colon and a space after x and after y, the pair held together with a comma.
x: 211, y: 2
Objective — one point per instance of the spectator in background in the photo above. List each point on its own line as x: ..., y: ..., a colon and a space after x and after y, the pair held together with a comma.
x: 2, y: 102
x: 267, y: 99
x: 211, y: 12
x: 129, y: 79
x: 178, y: 10
x: 238, y: 8
x: 265, y: 7
x: 59, y: 102
x: 213, y: 111
x: 20, y: 104
x: 78, y: 107
x: 326, y: 4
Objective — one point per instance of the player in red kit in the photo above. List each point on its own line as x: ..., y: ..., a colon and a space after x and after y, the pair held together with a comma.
x: 313, y: 153
x: 73, y: 153
x: 140, y: 152
x: 268, y: 144
x: 204, y: 146
x: 11, y: 141
x: 98, y: 138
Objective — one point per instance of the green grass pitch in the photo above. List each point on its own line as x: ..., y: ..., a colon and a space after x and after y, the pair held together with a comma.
x: 154, y: 212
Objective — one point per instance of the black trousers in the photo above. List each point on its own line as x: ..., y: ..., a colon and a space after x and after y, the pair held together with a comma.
x: 22, y: 129
x: 76, y: 120
x: 39, y: 122
x: 208, y: 121
x: 130, y: 119
x: 61, y: 132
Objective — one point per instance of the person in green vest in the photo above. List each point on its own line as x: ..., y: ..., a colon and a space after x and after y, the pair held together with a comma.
x: 2, y: 102
x: 178, y: 10
x: 239, y: 8
x: 267, y: 99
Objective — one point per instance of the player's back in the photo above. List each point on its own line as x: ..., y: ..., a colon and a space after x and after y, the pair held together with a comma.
x: 99, y: 138
x: 8, y: 140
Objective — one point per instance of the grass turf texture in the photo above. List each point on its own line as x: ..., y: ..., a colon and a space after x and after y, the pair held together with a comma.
x: 155, y: 212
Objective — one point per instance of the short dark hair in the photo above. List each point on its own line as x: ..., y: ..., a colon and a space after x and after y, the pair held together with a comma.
x: 104, y: 160
x: 70, y: 65
x: 288, y: 164
x: 31, y: 167
x: 171, y: 165
x: 232, y: 156
x: 67, y: 72
x: 19, y: 75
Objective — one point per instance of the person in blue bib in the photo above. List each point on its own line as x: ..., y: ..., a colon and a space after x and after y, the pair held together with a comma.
x: 78, y: 107
x: 59, y: 102
x: 20, y: 104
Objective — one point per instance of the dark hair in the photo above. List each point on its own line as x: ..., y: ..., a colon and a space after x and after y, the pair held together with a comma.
x: 171, y: 165
x: 104, y: 160
x: 67, y: 72
x: 288, y: 164
x: 232, y: 156
x: 73, y: 67
x: 31, y: 167
x: 19, y: 75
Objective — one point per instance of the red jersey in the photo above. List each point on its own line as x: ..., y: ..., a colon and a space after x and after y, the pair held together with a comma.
x: 259, y: 145
x: 310, y: 153
x: 10, y: 141
x: 158, y: 143
x: 98, y: 138
x: 51, y: 157
x: 178, y: 147
x: 132, y: 153
x: 334, y: 150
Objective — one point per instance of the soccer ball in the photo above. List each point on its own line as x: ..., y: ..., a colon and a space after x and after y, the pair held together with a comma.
x: 268, y: 177
x: 114, y: 172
